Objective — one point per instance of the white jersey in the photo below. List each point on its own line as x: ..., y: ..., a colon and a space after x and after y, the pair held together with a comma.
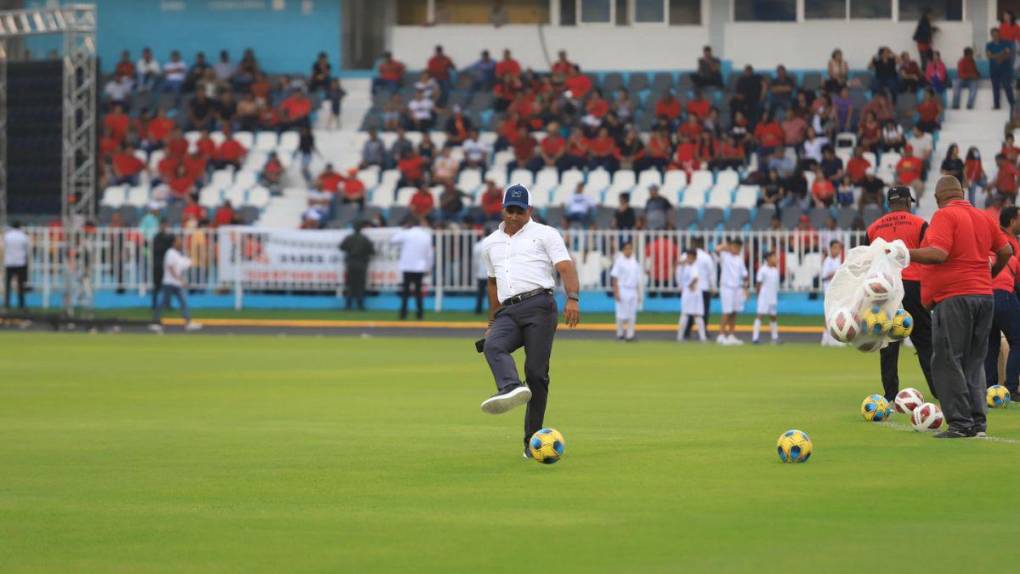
x: 829, y: 268
x: 15, y: 248
x: 734, y: 272
x: 706, y: 268
x: 415, y: 249
x: 174, y: 266
x: 627, y: 273
x: 689, y: 279
x: 768, y: 281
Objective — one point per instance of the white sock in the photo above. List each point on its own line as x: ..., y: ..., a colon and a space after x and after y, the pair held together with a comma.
x: 774, y: 327
x: 757, y: 329
x: 682, y: 326
x: 619, y: 327
x: 699, y: 321
x: 630, y: 328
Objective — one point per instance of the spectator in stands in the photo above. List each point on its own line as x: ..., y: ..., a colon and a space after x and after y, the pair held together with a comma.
x: 630, y: 151
x: 272, y: 173
x: 709, y: 70
x: 412, y: 167
x: 524, y: 146
x: 929, y: 111
x: 117, y: 90
x: 224, y: 68
x: 294, y: 111
x: 329, y: 180
x: 419, y: 113
x: 248, y: 113
x: 483, y: 73
x: 838, y: 71
x: 667, y: 110
x: 149, y: 71
x: 577, y: 87
x: 508, y: 65
x: 321, y: 74
x: 657, y: 152
x: 814, y: 143
x: 196, y: 72
x: 1008, y: 28
x: 624, y: 217
x: 922, y: 143
x: 230, y: 153
x: 498, y: 15
x: 844, y: 110
x: 824, y: 117
x: 1006, y: 180
x: 657, y: 210
x: 422, y: 202
x: 440, y: 67
x: 390, y: 75
x: 886, y: 76
x: 180, y: 185
x: 428, y: 86
x: 731, y: 155
x: 781, y: 162
x: 192, y: 211
x: 772, y: 191
x: 1010, y: 150
x: 881, y: 106
x: 175, y: 72
x: 246, y: 72
x: 935, y: 73
x: 909, y: 169
x: 892, y: 136
x: 393, y: 113
x: 602, y: 150
x: 831, y: 165
x: 125, y: 68
x: 576, y: 156
x: 698, y: 106
x: 845, y: 193
x: 740, y: 129
x: 562, y: 66
x: 923, y: 36
x: 506, y: 91
x: 197, y: 166
x: 335, y: 96
x: 427, y: 149
x: 911, y: 76
x: 551, y: 150
x: 445, y: 167
x: 158, y: 131
x: 211, y: 85
x: 579, y: 209
x: 476, y: 151
x: 306, y: 149
x: 795, y: 130
x: 768, y: 136
x: 967, y: 76
x: 225, y: 215
x: 200, y: 112
x: 353, y: 189
x: 781, y: 91
x: 126, y: 166
x: 1000, y: 54
x: 974, y: 175
x: 205, y: 144
x: 952, y: 164
x: 749, y: 94
x: 858, y: 165
x: 492, y: 203
x: 623, y: 106
x: 451, y: 204
x: 869, y: 133
x: 226, y: 110
x: 823, y: 193
x: 686, y: 157
x: 458, y: 126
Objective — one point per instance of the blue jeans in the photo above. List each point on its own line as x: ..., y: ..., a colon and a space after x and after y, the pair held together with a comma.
x: 169, y: 291
x: 971, y: 86
x: 1007, y: 322
x: 1002, y: 80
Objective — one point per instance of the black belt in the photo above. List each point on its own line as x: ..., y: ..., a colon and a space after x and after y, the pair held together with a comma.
x: 524, y: 296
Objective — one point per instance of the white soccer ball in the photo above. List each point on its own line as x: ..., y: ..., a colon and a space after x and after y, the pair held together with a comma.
x: 877, y: 287
x: 908, y: 400
x: 843, y: 325
x: 927, y: 417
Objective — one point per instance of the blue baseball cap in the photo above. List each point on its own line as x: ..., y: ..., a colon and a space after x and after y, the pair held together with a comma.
x: 517, y: 195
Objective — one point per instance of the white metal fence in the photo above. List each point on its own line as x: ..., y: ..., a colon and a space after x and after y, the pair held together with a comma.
x: 242, y: 260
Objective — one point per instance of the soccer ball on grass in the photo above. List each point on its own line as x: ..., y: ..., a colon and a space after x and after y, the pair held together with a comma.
x: 875, y: 409
x: 907, y: 400
x: 794, y: 446
x: 927, y: 417
x: 997, y: 396
x: 546, y: 446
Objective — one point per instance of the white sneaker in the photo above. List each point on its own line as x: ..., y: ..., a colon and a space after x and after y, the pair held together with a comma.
x: 720, y: 339
x: 192, y: 326
x: 500, y: 403
x: 156, y: 328
x: 733, y: 340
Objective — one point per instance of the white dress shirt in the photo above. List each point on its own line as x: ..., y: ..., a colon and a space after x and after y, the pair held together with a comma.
x: 627, y: 273
x: 525, y: 261
x: 15, y: 248
x: 174, y: 266
x: 415, y: 249
x: 706, y: 270
x: 733, y: 270
x: 768, y: 279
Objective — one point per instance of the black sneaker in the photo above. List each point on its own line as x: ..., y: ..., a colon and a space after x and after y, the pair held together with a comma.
x: 631, y: 340
x: 1014, y: 396
x: 507, y: 399
x: 954, y: 433
x: 527, y: 453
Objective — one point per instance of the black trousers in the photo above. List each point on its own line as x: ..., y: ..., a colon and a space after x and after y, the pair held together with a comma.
x: 960, y: 327
x: 531, y: 324
x: 415, y: 280
x: 357, y: 277
x: 706, y: 297
x: 157, y: 284
x: 17, y: 273
x: 920, y: 337
x: 481, y: 291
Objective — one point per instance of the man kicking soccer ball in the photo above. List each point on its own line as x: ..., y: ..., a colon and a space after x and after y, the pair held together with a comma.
x: 767, y: 281
x: 520, y: 258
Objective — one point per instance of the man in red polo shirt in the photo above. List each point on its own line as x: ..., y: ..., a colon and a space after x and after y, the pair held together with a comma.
x: 577, y: 84
x: 900, y: 224
x: 439, y: 67
x: 698, y: 106
x: 230, y: 152
x: 354, y: 189
x: 1006, y: 320
x: 857, y: 167
x: 507, y: 65
x: 909, y: 168
x: 1005, y: 179
x: 957, y: 246
x: 329, y: 180
x: 117, y: 123
x: 552, y: 148
x: 667, y: 109
x: 391, y: 74
x: 422, y: 202
x: 294, y: 110
x: 127, y: 167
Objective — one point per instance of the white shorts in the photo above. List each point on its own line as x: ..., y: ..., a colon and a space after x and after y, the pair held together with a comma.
x: 626, y: 307
x: 732, y: 299
x: 767, y: 307
x: 692, y: 304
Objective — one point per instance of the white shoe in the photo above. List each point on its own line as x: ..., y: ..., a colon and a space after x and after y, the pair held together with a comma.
x: 156, y: 328
x: 192, y: 326
x: 733, y: 340
x: 720, y: 339
x: 500, y: 403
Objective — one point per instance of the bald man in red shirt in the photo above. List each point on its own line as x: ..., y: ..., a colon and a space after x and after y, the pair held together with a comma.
x: 957, y: 247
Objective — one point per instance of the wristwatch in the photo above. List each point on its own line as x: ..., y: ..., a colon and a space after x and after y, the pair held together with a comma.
x: 574, y: 298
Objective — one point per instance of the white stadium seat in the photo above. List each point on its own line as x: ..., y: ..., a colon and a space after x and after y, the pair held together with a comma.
x: 390, y: 177
x: 382, y: 196
x: 247, y: 139
x: 675, y: 181
x: 649, y: 177
x: 266, y: 141
x: 245, y: 179
x: 114, y: 196
x: 155, y: 157
x: 369, y: 176
x: 719, y: 198
x: 469, y: 180
x: 727, y: 180
x: 235, y: 195
x: 547, y: 179
x: 568, y: 184
x: 522, y: 177
x: 137, y: 196
x: 258, y: 196
x: 210, y: 197
x: 693, y: 197
x: 598, y: 182
x: 221, y: 178
x: 541, y: 197
x: 639, y: 197
x: 497, y: 176
x: 289, y: 142
x: 701, y: 180
x: 746, y: 196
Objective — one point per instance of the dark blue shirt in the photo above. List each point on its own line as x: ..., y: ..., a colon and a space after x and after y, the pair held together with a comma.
x: 996, y: 48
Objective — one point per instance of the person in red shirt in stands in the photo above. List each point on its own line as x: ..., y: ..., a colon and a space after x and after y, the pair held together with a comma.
x: 597, y: 106
x: 698, y: 106
x: 125, y: 67
x: 552, y: 148
x: 181, y: 183
x: 127, y: 166
x: 193, y: 211
x: 768, y: 134
x: 165, y: 168
x: 107, y: 145
x: 439, y: 67
x: 967, y: 76
x: 507, y: 65
x: 1006, y: 180
x: 492, y: 202
x: 196, y: 165
x: 294, y: 110
x: 329, y: 180
x: 354, y: 189
x: 176, y: 144
x: 857, y: 167
x: 731, y: 155
x: 1006, y: 321
x: 562, y: 66
x: 411, y: 167
x: 657, y: 152
x: 422, y: 202
x: 686, y: 157
x: 225, y: 215
x: 391, y: 74
x: 524, y: 147
x: 158, y: 129
x: 822, y: 190
x: 957, y: 247
x: 691, y: 129
x: 205, y: 145
x: 230, y: 152
x: 909, y: 168
x: 117, y: 123
x: 928, y: 112
x: 577, y: 84
x: 667, y: 109
x: 506, y: 90
x: 603, y: 151
x: 272, y: 172
x: 577, y: 151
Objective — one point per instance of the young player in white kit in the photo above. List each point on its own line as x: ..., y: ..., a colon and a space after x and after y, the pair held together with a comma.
x: 692, y: 305
x: 830, y: 265
x: 767, y: 281
x: 732, y: 281
x: 626, y: 274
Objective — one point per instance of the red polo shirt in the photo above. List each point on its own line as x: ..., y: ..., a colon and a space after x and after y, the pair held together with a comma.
x: 353, y: 188
x: 422, y: 203
x: 1006, y: 279
x: 969, y: 237
x: 906, y: 227
x: 159, y: 128
x: 231, y: 151
x: 411, y: 167
x: 553, y: 145
x: 391, y: 71
x: 1005, y: 179
x: 908, y: 169
x: 578, y: 85
x: 330, y: 181
x: 667, y: 109
x: 857, y: 168
x: 206, y: 146
x: 439, y: 67
x: 125, y: 164
x: 699, y: 108
x: 598, y: 108
x: 504, y: 67
x: 769, y: 135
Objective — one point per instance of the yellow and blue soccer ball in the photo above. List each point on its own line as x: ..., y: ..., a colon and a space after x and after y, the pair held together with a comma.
x: 997, y: 396
x: 875, y: 321
x: 794, y: 446
x: 875, y: 409
x: 546, y: 446
x: 902, y: 325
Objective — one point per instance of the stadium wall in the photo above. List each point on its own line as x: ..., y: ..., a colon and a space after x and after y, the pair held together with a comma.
x: 285, y: 34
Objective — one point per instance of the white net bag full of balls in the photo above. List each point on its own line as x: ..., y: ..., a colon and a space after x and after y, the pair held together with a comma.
x: 869, y: 279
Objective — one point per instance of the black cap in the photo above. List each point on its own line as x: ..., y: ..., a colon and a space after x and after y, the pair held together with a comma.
x: 900, y: 192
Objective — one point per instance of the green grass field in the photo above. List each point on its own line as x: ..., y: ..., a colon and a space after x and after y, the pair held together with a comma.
x: 205, y: 454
